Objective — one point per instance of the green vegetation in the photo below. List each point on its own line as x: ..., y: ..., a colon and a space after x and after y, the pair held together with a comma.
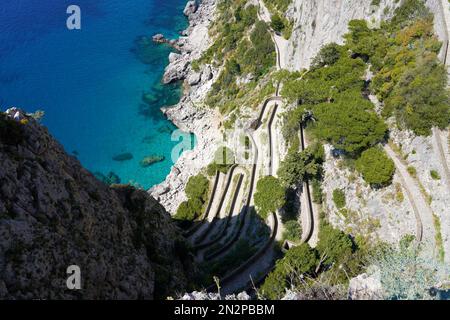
x: 335, y: 258
x: 412, y: 171
x: 269, y: 196
x: 301, y: 166
x: 197, y: 192
x: 298, y: 261
x: 409, y: 79
x: 328, y: 55
x: 419, y: 274
x: 435, y: 175
x: 347, y: 126
x: 376, y: 167
x: 244, y: 47
x: 317, y: 193
x: 339, y: 198
x: 223, y: 161
x: 438, y: 237
x: 333, y: 94
x: 280, y: 23
x: 292, y: 231
x: 277, y: 23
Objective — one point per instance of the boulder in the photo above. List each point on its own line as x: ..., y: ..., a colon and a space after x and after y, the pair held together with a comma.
x: 191, y: 8
x: 174, y: 57
x: 194, y: 79
x: 207, y: 74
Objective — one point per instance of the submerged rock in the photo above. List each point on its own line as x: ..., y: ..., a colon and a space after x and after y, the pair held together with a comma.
x: 148, y: 139
x: 109, y: 179
x: 148, y: 161
x: 123, y: 157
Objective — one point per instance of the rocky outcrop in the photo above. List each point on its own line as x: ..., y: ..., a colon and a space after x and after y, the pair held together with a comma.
x: 191, y: 8
x: 54, y: 214
x: 189, y: 114
x: 194, y: 41
x: 318, y: 22
x: 366, y: 287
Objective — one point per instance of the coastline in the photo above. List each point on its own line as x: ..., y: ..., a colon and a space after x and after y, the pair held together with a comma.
x: 189, y: 114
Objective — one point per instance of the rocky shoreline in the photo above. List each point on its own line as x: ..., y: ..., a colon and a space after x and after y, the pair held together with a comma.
x: 190, y: 115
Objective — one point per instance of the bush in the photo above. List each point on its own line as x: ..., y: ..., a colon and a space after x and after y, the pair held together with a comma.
x: 408, y: 76
x: 435, y: 175
x: 197, y: 187
x: 197, y: 192
x: 334, y: 244
x: 277, y: 23
x: 298, y: 261
x: 292, y: 231
x: 269, y: 196
x: 376, y: 167
x: 317, y: 193
x: 348, y: 126
x: 412, y: 171
x: 339, y: 198
x: 301, y: 166
x: 328, y: 55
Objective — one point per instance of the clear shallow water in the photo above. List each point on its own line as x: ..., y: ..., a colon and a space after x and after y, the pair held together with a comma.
x: 89, y: 82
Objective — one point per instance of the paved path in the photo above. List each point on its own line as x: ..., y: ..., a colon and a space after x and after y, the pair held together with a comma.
x: 213, y: 209
x: 424, y: 216
x: 444, y: 157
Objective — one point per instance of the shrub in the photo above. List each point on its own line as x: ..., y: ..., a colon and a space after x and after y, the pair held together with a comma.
x: 301, y: 166
x: 292, y: 231
x: 328, y: 55
x: 412, y: 171
x: 348, y: 126
x: 298, y: 261
x: 334, y: 244
x: 435, y: 175
x: 317, y: 192
x: 197, y: 192
x: 197, y: 187
x: 277, y: 23
x: 339, y: 198
x: 269, y: 196
x: 376, y: 167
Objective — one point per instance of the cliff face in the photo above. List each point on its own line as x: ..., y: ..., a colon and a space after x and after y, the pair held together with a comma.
x: 54, y: 213
x: 318, y: 22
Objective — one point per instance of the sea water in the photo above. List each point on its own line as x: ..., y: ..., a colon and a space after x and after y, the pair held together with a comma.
x: 90, y: 82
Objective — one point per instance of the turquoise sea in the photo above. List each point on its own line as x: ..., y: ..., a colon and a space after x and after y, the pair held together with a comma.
x: 91, y: 82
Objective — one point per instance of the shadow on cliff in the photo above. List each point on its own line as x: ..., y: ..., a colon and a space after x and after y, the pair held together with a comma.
x: 223, y: 244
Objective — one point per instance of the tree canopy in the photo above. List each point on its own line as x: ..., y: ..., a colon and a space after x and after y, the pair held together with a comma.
x: 348, y: 126
x: 376, y: 167
x: 269, y: 196
x: 299, y: 260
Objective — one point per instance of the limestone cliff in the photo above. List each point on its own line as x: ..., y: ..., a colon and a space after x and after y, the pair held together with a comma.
x: 54, y: 213
x: 318, y: 22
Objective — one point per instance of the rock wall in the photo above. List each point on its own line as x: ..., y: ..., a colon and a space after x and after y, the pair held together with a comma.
x: 318, y: 22
x: 438, y: 7
x: 54, y: 213
x: 190, y: 114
